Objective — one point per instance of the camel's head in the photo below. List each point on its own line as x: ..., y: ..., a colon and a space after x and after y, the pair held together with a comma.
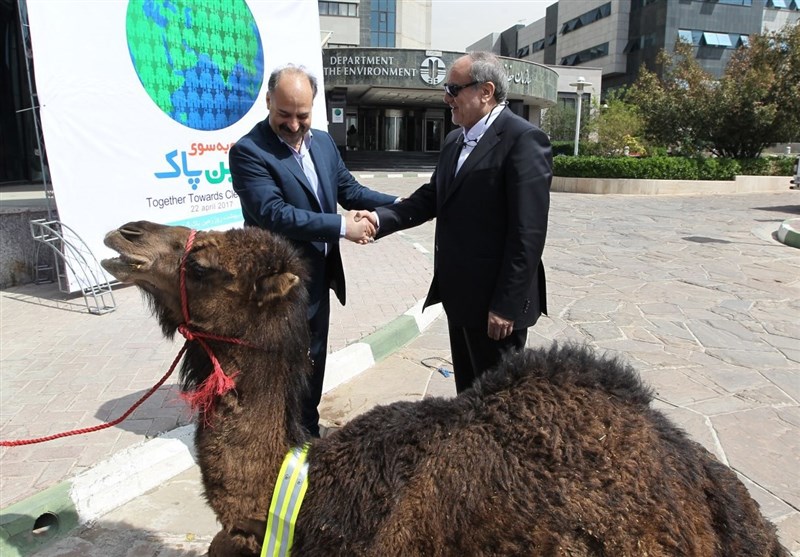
x: 234, y: 280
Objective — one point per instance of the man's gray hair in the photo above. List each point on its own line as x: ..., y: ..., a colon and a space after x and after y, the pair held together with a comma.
x: 488, y: 67
x: 278, y: 72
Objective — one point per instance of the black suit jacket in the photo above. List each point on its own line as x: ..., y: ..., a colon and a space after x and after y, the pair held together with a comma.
x: 276, y: 195
x: 491, y: 223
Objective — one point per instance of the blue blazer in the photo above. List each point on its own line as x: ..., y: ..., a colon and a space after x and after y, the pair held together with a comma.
x: 276, y: 195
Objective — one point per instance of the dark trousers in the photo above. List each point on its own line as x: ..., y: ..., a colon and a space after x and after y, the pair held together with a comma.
x: 474, y: 352
x: 318, y: 324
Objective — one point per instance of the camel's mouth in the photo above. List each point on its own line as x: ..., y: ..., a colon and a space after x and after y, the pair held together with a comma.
x: 123, y: 265
x: 128, y: 264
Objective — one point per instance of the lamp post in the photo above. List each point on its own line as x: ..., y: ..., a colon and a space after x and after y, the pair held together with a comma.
x: 579, y: 85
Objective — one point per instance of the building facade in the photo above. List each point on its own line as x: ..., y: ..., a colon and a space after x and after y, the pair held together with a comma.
x: 392, y: 99
x: 383, y: 82
x: 621, y: 36
x: 376, y: 23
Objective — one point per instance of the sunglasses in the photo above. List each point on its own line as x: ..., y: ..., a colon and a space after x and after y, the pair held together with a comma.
x: 453, y: 90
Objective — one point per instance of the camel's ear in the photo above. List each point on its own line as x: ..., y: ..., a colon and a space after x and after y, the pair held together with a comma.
x: 274, y: 286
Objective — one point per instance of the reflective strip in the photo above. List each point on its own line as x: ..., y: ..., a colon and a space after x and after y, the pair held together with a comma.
x: 287, y: 497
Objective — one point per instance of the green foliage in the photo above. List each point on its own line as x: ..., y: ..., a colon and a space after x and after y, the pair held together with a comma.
x: 568, y: 148
x: 563, y: 147
x: 675, y: 107
x: 618, y: 125
x: 754, y: 104
x: 558, y: 122
x: 755, y: 167
x: 767, y: 166
x: 782, y: 166
x: 652, y: 168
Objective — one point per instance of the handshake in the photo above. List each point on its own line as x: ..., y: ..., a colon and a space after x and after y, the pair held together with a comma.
x: 361, y: 226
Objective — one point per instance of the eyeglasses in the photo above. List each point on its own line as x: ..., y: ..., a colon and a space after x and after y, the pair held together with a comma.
x: 453, y: 90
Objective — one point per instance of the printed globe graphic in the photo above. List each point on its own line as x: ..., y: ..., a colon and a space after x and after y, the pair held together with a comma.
x: 200, y: 61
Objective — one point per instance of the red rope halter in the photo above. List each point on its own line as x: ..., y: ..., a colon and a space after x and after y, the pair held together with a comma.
x: 204, y: 396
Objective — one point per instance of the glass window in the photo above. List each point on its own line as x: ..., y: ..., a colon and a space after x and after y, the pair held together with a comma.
x: 352, y: 10
x: 585, y: 19
x: 343, y: 9
x: 323, y: 8
x: 382, y: 22
x: 717, y: 39
x: 585, y: 55
x: 685, y: 36
x: 632, y: 46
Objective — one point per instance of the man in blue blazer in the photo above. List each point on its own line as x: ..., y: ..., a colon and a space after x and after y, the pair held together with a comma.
x: 490, y: 195
x: 289, y: 179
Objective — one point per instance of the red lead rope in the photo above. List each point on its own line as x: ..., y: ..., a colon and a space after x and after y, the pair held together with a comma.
x: 202, y: 398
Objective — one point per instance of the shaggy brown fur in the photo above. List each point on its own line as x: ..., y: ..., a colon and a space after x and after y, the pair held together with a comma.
x: 557, y: 453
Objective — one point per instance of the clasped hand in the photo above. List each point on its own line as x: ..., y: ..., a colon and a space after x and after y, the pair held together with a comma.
x: 360, y: 226
x: 499, y: 328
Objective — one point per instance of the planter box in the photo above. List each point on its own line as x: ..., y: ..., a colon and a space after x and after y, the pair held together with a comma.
x: 742, y: 184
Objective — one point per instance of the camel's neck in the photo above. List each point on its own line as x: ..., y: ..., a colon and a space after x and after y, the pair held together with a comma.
x: 241, y: 449
x: 267, y: 384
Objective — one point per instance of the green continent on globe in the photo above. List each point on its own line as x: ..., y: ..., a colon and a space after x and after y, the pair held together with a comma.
x: 201, y: 61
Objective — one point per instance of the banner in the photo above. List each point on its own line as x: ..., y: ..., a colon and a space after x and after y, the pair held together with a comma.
x: 140, y: 102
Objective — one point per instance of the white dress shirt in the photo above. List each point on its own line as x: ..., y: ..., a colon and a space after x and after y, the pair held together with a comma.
x: 471, y: 137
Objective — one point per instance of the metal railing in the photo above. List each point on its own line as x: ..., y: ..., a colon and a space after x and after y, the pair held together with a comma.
x: 72, y: 254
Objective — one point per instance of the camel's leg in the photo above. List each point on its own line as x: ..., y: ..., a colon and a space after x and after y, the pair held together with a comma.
x: 224, y: 545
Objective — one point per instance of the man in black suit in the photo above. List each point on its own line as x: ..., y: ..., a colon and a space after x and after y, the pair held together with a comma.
x: 490, y: 195
x: 289, y: 179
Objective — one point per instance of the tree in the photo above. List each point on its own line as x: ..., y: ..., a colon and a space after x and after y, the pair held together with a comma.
x: 617, y: 125
x: 759, y: 96
x: 675, y: 106
x: 559, y: 122
x: 754, y: 104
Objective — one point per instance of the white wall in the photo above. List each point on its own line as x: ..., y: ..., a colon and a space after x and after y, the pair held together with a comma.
x: 413, y: 24
x: 344, y: 30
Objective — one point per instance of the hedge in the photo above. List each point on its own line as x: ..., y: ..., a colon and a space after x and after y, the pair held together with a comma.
x: 669, y: 168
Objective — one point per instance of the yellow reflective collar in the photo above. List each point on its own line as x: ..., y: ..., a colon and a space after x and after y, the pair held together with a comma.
x: 286, y: 500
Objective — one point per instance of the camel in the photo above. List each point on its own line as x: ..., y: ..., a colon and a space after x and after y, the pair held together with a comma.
x: 557, y: 452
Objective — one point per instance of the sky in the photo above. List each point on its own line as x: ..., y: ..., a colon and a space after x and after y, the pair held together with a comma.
x: 458, y: 23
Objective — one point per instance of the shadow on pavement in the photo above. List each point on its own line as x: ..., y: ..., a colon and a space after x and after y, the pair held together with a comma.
x: 163, y: 411
x: 121, y: 539
x: 794, y: 209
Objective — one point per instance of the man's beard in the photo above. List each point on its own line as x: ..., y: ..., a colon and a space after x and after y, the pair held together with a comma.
x: 292, y: 137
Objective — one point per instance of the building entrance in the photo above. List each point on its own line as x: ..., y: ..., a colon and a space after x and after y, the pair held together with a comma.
x: 434, y: 133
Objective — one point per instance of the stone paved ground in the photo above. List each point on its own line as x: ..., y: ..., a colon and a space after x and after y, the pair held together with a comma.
x: 63, y: 369
x: 694, y: 292
x: 691, y: 290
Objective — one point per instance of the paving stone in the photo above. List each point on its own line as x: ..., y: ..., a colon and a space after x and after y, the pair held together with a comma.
x: 712, y: 326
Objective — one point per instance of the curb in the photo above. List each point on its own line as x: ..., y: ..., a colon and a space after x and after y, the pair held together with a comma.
x: 29, y: 525
x: 789, y: 233
x: 359, y: 174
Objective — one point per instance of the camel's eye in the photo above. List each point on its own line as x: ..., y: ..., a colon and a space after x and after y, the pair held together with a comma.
x: 197, y: 270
